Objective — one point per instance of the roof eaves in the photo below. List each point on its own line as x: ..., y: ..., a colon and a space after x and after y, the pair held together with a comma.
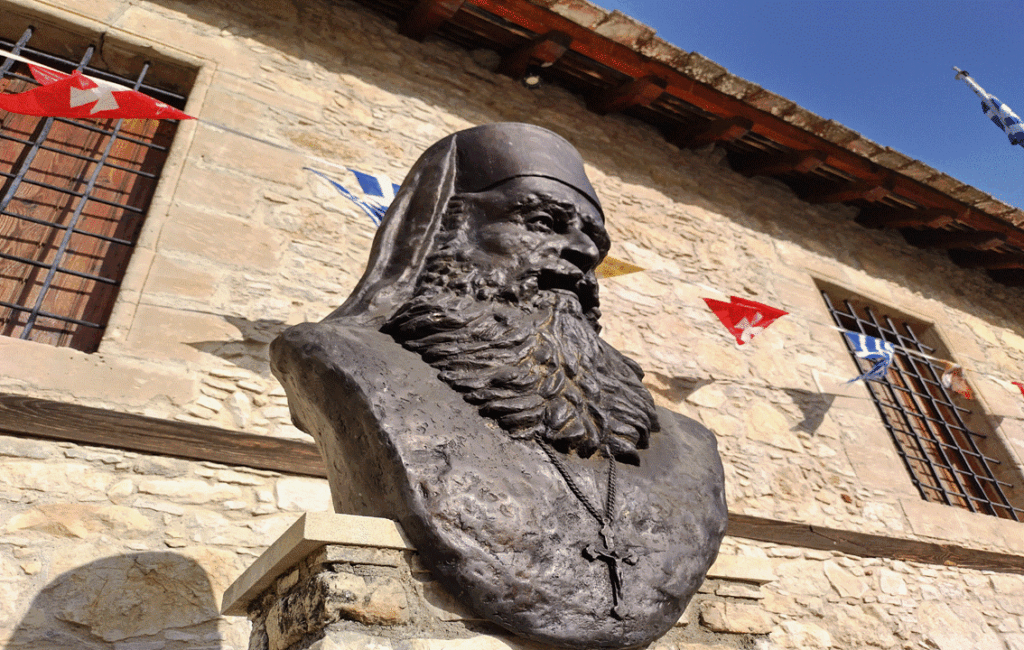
x: 643, y: 40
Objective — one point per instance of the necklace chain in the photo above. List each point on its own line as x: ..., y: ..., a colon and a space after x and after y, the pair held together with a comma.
x: 604, y: 519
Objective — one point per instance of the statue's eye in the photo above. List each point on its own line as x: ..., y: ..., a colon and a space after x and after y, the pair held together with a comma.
x: 541, y: 221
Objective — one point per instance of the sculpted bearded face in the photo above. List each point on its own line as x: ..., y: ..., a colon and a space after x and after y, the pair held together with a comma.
x: 507, y: 309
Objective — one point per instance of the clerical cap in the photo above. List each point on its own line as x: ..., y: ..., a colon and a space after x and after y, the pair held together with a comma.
x: 473, y: 160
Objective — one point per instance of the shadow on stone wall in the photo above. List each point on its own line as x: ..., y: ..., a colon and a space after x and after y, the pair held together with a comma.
x: 252, y: 351
x: 142, y: 601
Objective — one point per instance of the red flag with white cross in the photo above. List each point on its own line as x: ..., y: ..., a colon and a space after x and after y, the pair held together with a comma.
x: 744, y: 318
x: 77, y: 96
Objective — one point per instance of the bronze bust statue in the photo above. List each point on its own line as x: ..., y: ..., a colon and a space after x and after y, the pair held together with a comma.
x: 463, y: 390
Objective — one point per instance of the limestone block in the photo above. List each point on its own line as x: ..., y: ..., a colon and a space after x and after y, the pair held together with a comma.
x: 303, y: 495
x: 237, y: 477
x: 55, y: 478
x: 25, y: 448
x: 239, y: 406
x: 738, y: 590
x: 844, y: 582
x: 892, y: 583
x: 803, y: 578
x: 1004, y: 583
x: 201, y: 40
x: 173, y: 277
x: 1014, y: 641
x: 955, y: 627
x: 801, y: 634
x: 249, y: 157
x: 164, y: 333
x: 218, y: 191
x: 365, y: 555
x: 134, y: 595
x: 735, y: 618
x: 90, y: 376
x: 189, y: 490
x: 766, y: 424
x: 369, y: 600
x: 221, y: 239
x: 82, y: 520
x: 348, y: 640
x: 742, y: 568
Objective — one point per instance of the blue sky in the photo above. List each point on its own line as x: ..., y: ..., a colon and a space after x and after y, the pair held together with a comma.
x: 884, y: 69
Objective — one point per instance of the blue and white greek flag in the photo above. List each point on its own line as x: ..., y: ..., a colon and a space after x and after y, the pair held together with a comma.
x: 872, y: 349
x: 376, y: 192
x: 995, y: 110
x: 1004, y: 118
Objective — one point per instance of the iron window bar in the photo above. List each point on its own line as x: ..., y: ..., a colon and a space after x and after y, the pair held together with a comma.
x: 70, y: 219
x: 936, y: 446
x: 46, y: 314
x: 44, y: 265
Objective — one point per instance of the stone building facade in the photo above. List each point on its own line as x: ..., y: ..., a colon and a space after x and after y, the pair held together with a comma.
x: 112, y: 547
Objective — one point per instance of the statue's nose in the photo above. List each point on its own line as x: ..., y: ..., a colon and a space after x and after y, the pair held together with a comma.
x: 580, y: 250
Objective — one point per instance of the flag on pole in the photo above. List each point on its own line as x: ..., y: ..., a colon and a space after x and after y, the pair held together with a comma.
x: 871, y: 349
x: 744, y: 318
x: 377, y: 192
x: 995, y: 110
x: 78, y: 96
x: 953, y: 379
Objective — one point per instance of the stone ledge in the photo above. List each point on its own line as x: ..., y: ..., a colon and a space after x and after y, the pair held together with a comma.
x: 742, y: 568
x: 312, y: 531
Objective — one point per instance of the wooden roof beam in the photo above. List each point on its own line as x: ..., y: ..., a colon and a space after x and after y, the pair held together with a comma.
x: 987, y: 260
x: 721, y: 130
x: 585, y: 42
x: 543, y: 51
x: 426, y: 16
x: 869, y: 190
x: 621, y: 58
x: 883, y: 217
x: 636, y: 92
x: 976, y: 240
x: 801, y: 162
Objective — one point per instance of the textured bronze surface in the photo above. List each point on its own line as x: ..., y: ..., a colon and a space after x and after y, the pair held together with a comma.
x: 463, y: 390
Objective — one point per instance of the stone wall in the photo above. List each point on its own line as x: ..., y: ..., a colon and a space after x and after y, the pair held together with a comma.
x: 109, y: 549
x: 241, y: 242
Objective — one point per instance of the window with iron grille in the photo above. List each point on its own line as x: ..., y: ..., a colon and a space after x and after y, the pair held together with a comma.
x: 947, y: 444
x: 73, y: 198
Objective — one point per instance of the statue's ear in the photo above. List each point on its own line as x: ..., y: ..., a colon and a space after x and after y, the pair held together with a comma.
x: 405, y: 238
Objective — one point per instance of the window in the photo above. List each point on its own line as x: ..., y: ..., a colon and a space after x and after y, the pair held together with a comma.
x: 73, y: 195
x: 947, y: 445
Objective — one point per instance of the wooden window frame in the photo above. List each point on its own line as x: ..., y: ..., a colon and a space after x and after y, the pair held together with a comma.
x: 73, y: 199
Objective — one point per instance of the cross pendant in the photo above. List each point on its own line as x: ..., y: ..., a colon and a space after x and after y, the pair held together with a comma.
x: 611, y: 556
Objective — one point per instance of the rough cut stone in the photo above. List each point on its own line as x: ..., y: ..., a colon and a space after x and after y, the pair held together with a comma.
x: 735, y: 618
x: 134, y: 595
x: 847, y: 584
x: 955, y: 627
x: 303, y: 495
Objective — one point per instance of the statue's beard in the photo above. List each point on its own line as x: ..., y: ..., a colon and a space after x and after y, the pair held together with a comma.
x: 528, y: 357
